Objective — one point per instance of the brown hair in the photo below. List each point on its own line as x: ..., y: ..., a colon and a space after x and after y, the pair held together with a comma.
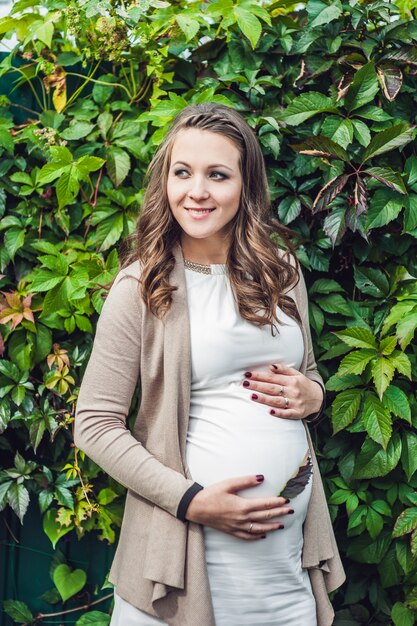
x: 259, y: 273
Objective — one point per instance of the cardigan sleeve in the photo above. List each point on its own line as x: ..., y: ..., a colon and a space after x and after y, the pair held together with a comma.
x: 104, y: 400
x: 311, y: 368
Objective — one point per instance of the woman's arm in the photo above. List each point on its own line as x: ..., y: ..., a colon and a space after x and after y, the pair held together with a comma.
x: 105, y: 397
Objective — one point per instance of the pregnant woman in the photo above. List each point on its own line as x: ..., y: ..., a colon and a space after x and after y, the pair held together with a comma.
x: 225, y: 523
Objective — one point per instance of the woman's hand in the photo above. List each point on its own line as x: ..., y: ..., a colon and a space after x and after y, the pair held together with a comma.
x: 289, y: 393
x: 219, y: 506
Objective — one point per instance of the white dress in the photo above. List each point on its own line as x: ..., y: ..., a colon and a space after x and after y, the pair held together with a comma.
x: 259, y: 583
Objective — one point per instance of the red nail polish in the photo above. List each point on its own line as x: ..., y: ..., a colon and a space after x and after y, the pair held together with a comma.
x: 274, y: 366
x: 254, y: 396
x: 287, y: 500
x: 291, y: 511
x: 263, y: 536
x: 248, y: 374
x: 272, y: 412
x: 260, y: 478
x: 246, y: 383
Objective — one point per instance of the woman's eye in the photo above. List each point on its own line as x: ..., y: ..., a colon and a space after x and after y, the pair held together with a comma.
x: 181, y: 173
x: 218, y: 175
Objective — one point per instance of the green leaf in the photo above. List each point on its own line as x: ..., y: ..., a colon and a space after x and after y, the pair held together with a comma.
x: 67, y: 188
x: 44, y: 280
x: 406, y: 328
x: 397, y: 402
x: 345, y: 408
x: 334, y: 383
x: 401, y: 362
x: 52, y: 529
x: 334, y: 303
x: 410, y: 213
x: 249, y: 24
x: 357, y: 337
x: 406, y: 522
x: 409, y: 453
x: 334, y: 224
x: 389, y: 139
x: 76, y: 131
x: 361, y: 132
x: 320, y: 13
x: 68, y: 582
x: 18, y: 611
x: 87, y: 164
x: 355, y: 362
x: 321, y: 146
x: 188, y: 25
x: 401, y: 615
x: 339, y: 130
x: 374, y: 523
x: 388, y: 345
x: 97, y: 618
x: 385, y: 206
x: 289, y: 209
x: 14, y: 240
x: 325, y: 285
x: 374, y: 113
x: 305, y: 106
x: 118, y: 165
x: 388, y: 177
x: 377, y: 420
x: 382, y: 374
x: 18, y: 498
x: 363, y: 88
x: 371, y: 281
x: 362, y: 551
x: 373, y: 461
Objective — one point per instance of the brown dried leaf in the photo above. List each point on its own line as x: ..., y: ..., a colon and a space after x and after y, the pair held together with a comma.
x: 300, y: 480
x: 391, y: 80
x: 361, y: 197
x: 329, y: 192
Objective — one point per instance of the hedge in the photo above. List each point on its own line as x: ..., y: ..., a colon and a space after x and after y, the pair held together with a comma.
x: 330, y: 89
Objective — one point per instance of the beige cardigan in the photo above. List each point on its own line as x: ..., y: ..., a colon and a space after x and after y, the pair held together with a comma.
x: 159, y: 564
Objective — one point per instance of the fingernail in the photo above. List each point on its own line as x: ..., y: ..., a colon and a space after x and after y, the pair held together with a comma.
x: 248, y: 374
x: 272, y: 412
x: 280, y: 527
x: 263, y: 536
x: 254, y: 396
x: 260, y: 478
x: 274, y: 366
x: 246, y: 383
x: 291, y: 511
x: 287, y: 500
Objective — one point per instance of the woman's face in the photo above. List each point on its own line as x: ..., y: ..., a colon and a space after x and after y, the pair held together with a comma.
x: 204, y: 186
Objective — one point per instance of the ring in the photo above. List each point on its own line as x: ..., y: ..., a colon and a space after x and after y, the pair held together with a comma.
x: 250, y: 528
x: 282, y: 391
x: 286, y: 402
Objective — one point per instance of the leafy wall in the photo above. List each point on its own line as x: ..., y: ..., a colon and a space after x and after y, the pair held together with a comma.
x: 330, y: 88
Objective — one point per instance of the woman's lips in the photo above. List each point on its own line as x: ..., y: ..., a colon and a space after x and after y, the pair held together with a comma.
x: 199, y: 213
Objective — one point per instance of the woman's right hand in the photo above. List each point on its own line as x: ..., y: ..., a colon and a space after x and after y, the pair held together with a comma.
x: 219, y: 506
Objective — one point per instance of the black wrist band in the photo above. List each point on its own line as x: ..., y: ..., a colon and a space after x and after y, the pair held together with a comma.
x: 186, y: 499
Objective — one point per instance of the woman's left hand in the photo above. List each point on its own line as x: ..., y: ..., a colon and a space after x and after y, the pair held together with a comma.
x: 287, y: 392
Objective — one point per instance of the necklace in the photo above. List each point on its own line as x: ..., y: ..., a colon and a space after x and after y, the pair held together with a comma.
x: 197, y: 267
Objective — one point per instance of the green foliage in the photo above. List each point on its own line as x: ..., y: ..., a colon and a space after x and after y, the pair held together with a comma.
x: 330, y: 90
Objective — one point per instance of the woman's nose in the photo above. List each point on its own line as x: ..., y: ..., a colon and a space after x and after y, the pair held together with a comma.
x: 198, y: 188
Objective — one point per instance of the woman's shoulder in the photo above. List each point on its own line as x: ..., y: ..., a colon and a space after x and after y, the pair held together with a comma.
x: 133, y: 270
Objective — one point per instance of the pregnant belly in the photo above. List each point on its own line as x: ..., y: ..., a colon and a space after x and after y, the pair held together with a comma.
x: 243, y: 438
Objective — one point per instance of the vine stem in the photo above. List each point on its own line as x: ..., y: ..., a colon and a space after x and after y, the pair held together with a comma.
x: 77, y: 608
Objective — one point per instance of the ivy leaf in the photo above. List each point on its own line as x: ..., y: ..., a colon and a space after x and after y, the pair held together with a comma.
x: 289, y: 209
x: 390, y: 78
x: 329, y: 192
x: 334, y: 224
x: 118, y: 165
x: 386, y: 205
x: 18, y: 611
x: 377, y: 420
x: 406, y: 328
x: 321, y: 146
x: 410, y: 214
x: 371, y: 281
x: 387, y: 176
x: 401, y: 362
x: 68, y: 582
x: 95, y: 618
x: 305, y: 106
x: 406, y: 522
x: 249, y: 24
x: 397, y: 402
x: 363, y: 88
x: 355, y: 362
x: 361, y: 132
x: 320, y: 13
x: 409, y: 453
x: 52, y: 529
x: 18, y: 498
x: 357, y: 337
x: 382, y: 373
x: 373, y: 461
x: 401, y: 615
x: 389, y: 139
x: 345, y: 408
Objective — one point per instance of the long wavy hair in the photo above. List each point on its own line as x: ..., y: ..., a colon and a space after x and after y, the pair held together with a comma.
x: 260, y: 273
